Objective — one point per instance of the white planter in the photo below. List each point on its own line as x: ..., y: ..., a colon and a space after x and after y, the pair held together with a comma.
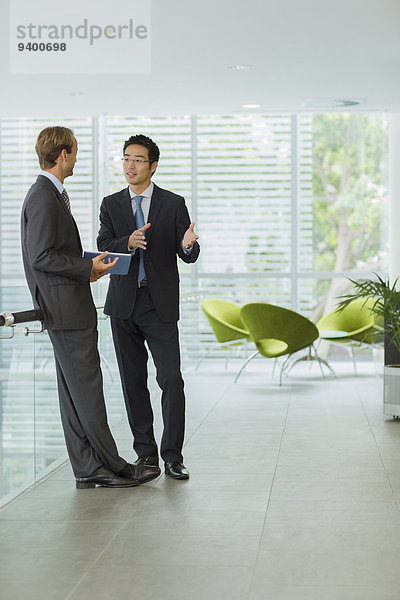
x: 391, y: 390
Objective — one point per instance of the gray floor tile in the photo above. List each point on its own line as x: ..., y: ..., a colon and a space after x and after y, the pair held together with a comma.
x: 199, y: 522
x: 331, y: 474
x: 389, y: 452
x: 128, y: 548
x: 326, y: 592
x: 315, y: 533
x: 312, y: 426
x: 228, y: 482
x: 331, y: 458
x: 100, y: 504
x: 332, y: 490
x: 255, y: 466
x: 172, y: 582
x: 65, y: 473
x: 232, y: 453
x: 55, y: 551
x: 49, y: 588
x: 283, y: 510
x: 180, y: 498
x: 330, y: 568
x: 245, y: 440
x: 336, y: 441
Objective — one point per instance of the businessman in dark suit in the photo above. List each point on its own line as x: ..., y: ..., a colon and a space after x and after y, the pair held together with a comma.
x: 154, y: 225
x: 58, y: 278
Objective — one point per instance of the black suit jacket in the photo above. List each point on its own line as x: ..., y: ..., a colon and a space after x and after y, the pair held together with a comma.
x: 57, y: 275
x: 169, y: 220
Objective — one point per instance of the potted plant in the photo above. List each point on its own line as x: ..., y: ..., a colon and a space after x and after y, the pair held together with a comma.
x: 384, y: 301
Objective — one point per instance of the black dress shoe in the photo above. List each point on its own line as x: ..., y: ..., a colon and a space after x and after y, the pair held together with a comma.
x: 146, y: 461
x: 176, y: 470
x: 141, y: 474
x: 106, y: 478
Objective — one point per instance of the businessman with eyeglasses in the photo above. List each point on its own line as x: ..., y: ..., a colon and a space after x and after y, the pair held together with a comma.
x: 154, y: 225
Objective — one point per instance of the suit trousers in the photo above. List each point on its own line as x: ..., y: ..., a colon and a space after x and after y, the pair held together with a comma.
x: 83, y: 412
x: 162, y: 339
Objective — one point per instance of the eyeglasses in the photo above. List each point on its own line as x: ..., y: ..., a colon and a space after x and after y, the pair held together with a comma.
x: 136, y: 161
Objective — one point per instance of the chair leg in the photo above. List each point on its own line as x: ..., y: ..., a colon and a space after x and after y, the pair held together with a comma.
x: 307, y: 358
x: 273, y: 368
x: 245, y: 365
x: 322, y: 361
x: 106, y: 364
x: 354, y: 358
x: 310, y: 357
x: 283, y: 367
x: 228, y: 357
x: 203, y: 357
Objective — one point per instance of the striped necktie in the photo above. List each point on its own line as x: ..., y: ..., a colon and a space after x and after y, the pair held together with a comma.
x: 66, y: 199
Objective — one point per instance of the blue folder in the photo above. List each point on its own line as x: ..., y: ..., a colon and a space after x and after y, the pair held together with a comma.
x: 122, y: 265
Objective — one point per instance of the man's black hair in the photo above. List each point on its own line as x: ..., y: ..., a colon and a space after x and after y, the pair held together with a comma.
x: 143, y: 140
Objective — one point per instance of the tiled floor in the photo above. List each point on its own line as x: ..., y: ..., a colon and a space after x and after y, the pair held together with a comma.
x: 294, y: 495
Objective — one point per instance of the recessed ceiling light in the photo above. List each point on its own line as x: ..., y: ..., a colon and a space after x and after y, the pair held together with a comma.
x: 239, y: 67
x: 76, y: 93
x: 251, y: 105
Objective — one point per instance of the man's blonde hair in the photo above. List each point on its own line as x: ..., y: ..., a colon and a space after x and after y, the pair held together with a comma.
x: 50, y: 142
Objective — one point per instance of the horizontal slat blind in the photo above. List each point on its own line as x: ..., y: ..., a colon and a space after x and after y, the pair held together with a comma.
x: 244, y: 193
x: 305, y: 227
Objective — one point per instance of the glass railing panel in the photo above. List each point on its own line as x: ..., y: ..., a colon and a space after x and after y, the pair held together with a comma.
x: 17, y: 411
x: 49, y: 438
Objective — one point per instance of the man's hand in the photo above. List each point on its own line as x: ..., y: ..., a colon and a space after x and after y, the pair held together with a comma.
x: 189, y: 238
x: 101, y: 268
x: 136, y: 239
x: 95, y: 275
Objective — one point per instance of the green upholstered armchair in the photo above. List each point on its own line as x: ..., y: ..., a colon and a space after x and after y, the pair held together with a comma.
x: 278, y: 331
x: 225, y: 321
x: 354, y: 326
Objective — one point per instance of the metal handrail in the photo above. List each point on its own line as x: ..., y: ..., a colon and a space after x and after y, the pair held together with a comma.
x: 25, y: 316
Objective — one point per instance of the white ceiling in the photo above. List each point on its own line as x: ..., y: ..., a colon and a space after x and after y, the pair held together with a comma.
x: 304, y: 53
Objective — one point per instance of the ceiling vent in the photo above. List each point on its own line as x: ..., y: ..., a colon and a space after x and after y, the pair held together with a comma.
x: 333, y: 103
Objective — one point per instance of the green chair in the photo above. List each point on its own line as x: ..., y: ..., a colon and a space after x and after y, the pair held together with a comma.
x: 225, y: 321
x: 278, y: 331
x: 354, y: 326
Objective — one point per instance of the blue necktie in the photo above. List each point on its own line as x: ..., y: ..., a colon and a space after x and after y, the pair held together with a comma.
x: 139, y: 218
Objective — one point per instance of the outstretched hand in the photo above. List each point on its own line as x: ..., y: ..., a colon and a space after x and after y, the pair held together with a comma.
x: 189, y: 238
x: 137, y: 238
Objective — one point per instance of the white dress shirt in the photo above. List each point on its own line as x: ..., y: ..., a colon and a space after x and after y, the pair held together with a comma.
x: 145, y: 205
x: 54, y: 180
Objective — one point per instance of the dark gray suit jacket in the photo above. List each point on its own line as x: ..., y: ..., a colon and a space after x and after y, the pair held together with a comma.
x: 169, y: 220
x: 57, y: 275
